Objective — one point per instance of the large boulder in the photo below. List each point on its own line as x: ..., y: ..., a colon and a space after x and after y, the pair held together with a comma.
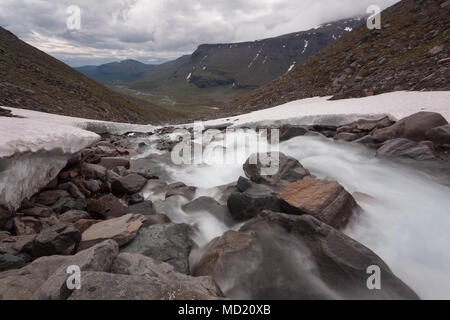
x: 278, y: 256
x: 288, y: 132
x: 122, y: 230
x: 96, y: 259
x: 170, y: 243
x: 289, y: 170
x: 210, y: 206
x: 439, y: 135
x: 413, y: 127
x: 130, y: 184
x: 404, y: 148
x: 57, y: 240
x: 327, y: 201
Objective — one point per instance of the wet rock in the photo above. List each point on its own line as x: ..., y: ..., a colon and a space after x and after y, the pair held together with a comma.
x: 106, y: 207
x: 327, y: 201
x: 180, y: 189
x: 157, y: 219
x: 289, y: 170
x: 345, y: 136
x: 289, y: 132
x: 439, y: 135
x: 136, y: 199
x: 93, y: 171
x: 243, y: 184
x: 9, y: 262
x: 170, y: 243
x: 48, y: 198
x: 111, y: 163
x: 413, y: 127
x: 122, y: 230
x: 56, y: 240
x: 210, y: 206
x: 305, y: 258
x: 5, y: 215
x: 404, y: 148
x: 130, y: 184
x: 186, y: 287
x: 145, y: 208
x: 96, y: 259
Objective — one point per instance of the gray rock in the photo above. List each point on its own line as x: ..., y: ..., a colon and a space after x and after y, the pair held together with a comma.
x: 93, y: 171
x: 209, y: 205
x: 130, y: 184
x: 346, y: 136
x: 180, y: 189
x: 170, y: 243
x: 111, y: 162
x: 287, y: 133
x: 73, y: 190
x: 246, y: 205
x: 145, y: 208
x: 8, y: 262
x: 439, y: 135
x: 73, y: 216
x: 404, y: 148
x: 48, y: 198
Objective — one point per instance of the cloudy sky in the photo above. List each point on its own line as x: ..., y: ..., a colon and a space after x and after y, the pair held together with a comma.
x: 156, y: 30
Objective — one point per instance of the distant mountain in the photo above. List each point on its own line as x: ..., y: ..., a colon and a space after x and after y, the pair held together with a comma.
x: 216, y: 73
x: 410, y: 52
x: 31, y: 79
x: 117, y: 72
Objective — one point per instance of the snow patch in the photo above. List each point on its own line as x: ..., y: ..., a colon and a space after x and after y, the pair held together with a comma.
x: 306, y: 46
x: 348, y: 29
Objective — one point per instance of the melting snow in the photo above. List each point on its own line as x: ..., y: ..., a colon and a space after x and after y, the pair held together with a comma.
x: 189, y: 76
x: 291, y: 67
x: 306, y: 46
x: 348, y: 29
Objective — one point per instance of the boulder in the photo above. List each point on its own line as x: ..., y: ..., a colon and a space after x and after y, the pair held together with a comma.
x: 404, y: 148
x: 346, y: 136
x: 72, y: 189
x: 5, y: 215
x: 180, y: 189
x: 93, y: 186
x: 278, y: 256
x: 145, y: 208
x: 111, y: 163
x: 130, y: 184
x: 122, y: 230
x: 288, y: 132
x: 56, y: 240
x: 289, y: 170
x: 413, y: 127
x: 73, y: 216
x: 135, y: 199
x: 327, y: 201
x: 188, y: 288
x: 48, y: 198
x: 93, y: 171
x: 107, y: 207
x: 9, y: 262
x: 439, y: 135
x: 210, y: 206
x: 96, y: 259
x: 157, y: 219
x: 170, y: 243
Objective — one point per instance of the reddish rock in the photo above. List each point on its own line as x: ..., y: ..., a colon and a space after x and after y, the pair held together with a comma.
x: 325, y: 200
x: 84, y: 224
x: 106, y: 207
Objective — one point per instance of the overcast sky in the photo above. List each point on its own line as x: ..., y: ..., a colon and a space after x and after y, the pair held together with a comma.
x: 155, y: 30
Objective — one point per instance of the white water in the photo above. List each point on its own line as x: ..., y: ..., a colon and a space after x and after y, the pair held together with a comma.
x: 406, y: 218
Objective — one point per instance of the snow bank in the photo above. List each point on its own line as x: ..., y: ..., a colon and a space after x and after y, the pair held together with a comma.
x: 309, y: 111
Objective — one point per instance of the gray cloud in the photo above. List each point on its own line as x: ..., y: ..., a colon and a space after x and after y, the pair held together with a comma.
x: 156, y: 30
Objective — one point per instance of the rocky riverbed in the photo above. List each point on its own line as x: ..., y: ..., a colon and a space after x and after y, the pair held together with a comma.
x: 137, y: 229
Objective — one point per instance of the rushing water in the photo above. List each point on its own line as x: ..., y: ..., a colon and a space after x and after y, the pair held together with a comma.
x: 406, y: 218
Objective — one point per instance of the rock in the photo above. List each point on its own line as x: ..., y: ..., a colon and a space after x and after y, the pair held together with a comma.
x: 84, y: 224
x: 111, y: 163
x: 243, y: 184
x: 56, y: 240
x: 9, y: 262
x: 245, y: 205
x: 413, y: 127
x: 93, y: 171
x: 20, y: 229
x: 180, y: 189
x: 145, y: 208
x: 157, y: 219
x: 136, y: 199
x: 289, y: 170
x: 36, y: 224
x: 130, y: 184
x: 106, y: 207
x: 73, y: 190
x: 40, y: 212
x: 66, y: 204
x: 289, y: 132
x: 73, y: 216
x: 5, y: 215
x: 277, y: 256
x: 435, y: 50
x: 92, y: 185
x: 404, y: 148
x: 439, y: 135
x: 48, y: 198
x: 21, y: 284
x: 15, y: 246
x: 122, y: 230
x: 325, y: 200
x: 96, y: 259
x: 170, y: 243
x: 187, y: 287
x: 345, y: 136
x: 209, y: 205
